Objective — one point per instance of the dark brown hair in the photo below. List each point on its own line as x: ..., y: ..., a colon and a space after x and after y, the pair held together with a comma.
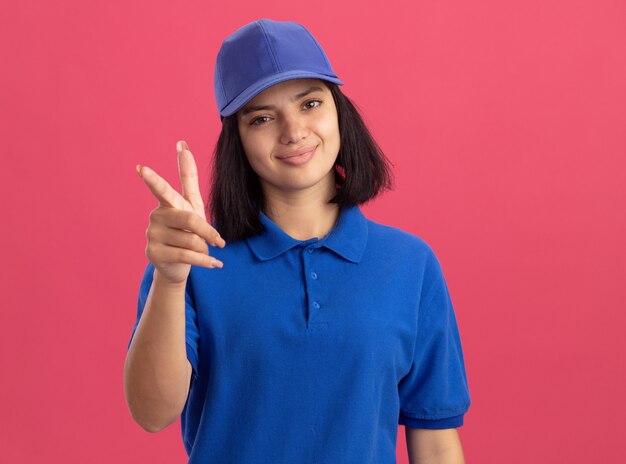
x: 362, y: 171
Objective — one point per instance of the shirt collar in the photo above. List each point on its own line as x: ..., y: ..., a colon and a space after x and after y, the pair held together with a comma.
x: 348, y: 238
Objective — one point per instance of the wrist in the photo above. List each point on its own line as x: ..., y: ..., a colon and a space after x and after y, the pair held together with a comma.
x: 162, y: 281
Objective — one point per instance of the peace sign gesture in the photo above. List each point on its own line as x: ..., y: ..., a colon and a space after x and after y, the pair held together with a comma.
x: 178, y: 232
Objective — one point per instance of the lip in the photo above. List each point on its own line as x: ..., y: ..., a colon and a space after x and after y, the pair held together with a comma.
x: 300, y: 152
x: 298, y: 157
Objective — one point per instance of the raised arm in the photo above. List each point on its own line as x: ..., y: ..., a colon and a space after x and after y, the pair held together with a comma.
x: 157, y: 373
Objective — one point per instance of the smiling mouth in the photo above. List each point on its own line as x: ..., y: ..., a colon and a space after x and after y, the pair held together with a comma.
x: 298, y: 157
x: 295, y: 153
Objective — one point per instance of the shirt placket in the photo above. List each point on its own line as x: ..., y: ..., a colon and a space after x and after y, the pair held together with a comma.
x: 312, y: 281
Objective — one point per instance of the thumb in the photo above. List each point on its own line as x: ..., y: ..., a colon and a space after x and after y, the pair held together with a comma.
x: 188, y: 173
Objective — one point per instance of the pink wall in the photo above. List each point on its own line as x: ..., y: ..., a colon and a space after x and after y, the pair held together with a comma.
x: 506, y: 122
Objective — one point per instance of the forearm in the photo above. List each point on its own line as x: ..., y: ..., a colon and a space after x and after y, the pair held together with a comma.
x: 156, y: 371
x: 434, y: 446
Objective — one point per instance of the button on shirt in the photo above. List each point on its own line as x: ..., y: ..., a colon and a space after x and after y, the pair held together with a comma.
x: 314, y: 351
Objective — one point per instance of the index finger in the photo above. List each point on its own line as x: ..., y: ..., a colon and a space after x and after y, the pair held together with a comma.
x: 159, y: 187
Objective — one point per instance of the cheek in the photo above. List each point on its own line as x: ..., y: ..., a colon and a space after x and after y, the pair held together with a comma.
x: 329, y: 123
x: 253, y: 147
x: 258, y: 156
x: 330, y: 129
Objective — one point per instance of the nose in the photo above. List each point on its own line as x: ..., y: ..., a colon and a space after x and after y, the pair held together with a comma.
x: 293, y: 129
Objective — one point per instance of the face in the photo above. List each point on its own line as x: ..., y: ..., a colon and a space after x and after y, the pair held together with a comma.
x: 290, y: 134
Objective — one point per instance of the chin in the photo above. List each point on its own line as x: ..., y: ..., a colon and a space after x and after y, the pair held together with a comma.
x: 300, y: 184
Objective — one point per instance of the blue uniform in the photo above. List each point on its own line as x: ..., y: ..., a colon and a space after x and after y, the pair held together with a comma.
x: 314, y: 351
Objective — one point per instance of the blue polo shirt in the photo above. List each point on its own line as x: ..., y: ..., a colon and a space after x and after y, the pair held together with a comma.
x: 314, y: 351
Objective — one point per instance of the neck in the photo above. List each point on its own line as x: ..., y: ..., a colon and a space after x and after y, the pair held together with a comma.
x: 302, y: 214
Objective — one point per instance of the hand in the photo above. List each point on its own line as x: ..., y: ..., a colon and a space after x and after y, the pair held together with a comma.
x: 178, y: 232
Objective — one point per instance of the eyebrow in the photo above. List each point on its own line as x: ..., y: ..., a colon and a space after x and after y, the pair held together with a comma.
x: 250, y: 109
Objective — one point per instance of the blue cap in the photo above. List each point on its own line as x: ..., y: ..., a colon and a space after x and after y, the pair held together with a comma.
x: 261, y: 54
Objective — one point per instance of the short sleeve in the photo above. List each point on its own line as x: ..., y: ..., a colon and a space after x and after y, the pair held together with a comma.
x: 191, y: 328
x: 434, y: 393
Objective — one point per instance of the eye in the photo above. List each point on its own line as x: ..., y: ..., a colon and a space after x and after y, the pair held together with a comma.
x: 258, y: 121
x: 312, y: 104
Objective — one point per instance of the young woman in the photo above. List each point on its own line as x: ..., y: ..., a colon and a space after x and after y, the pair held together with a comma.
x: 307, y: 332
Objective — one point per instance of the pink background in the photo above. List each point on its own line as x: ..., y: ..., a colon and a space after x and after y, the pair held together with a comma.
x: 506, y: 123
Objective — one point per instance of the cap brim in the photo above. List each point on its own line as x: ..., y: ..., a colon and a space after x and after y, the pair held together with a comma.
x: 248, y: 94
